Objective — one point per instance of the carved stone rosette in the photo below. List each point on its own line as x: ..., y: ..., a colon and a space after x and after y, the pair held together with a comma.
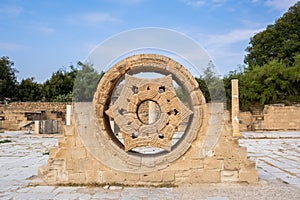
x: 141, y: 96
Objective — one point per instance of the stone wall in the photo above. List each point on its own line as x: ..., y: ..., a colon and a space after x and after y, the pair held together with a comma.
x: 277, y: 117
x: 274, y: 117
x: 17, y: 114
x: 72, y: 163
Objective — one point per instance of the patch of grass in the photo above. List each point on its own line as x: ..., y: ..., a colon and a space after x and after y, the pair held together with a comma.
x: 5, y: 141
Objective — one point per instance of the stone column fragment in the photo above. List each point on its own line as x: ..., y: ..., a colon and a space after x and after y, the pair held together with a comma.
x: 235, y: 108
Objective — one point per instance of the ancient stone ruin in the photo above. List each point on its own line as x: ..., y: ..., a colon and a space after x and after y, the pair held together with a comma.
x: 140, y: 131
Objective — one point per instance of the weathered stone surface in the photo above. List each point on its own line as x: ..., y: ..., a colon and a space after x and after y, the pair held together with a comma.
x: 229, y: 176
x: 248, y: 175
x: 273, y: 117
x: 89, y: 152
x: 17, y: 114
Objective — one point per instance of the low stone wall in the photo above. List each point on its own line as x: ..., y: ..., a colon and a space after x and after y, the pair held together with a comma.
x: 274, y: 117
x: 34, y: 106
x: 281, y: 118
x: 17, y: 114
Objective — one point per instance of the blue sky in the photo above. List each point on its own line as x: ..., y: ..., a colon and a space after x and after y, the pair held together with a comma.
x: 42, y: 36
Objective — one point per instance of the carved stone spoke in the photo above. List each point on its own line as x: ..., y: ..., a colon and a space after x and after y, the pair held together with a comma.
x: 151, y: 116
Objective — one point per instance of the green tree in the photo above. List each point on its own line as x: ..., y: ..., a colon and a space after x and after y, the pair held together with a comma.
x: 280, y: 42
x: 86, y: 83
x: 271, y: 83
x: 29, y: 90
x: 211, y: 85
x: 8, y: 81
x: 60, y: 86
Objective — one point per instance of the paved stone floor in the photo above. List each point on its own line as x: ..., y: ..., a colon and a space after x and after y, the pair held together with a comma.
x: 277, y: 155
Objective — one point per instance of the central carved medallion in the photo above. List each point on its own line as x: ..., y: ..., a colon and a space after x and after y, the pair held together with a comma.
x: 148, y: 112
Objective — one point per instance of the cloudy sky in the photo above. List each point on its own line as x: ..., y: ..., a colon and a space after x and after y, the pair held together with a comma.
x: 44, y: 36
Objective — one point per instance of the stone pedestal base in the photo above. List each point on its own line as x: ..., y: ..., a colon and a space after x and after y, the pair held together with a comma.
x: 72, y: 163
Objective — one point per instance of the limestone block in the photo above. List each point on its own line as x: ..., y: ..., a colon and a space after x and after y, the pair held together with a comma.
x: 72, y: 165
x: 113, y: 177
x: 152, y: 177
x: 213, y: 163
x: 52, y: 152
x: 180, y: 164
x: 168, y: 176
x: 232, y: 164
x: 70, y: 140
x: 248, y: 175
x: 130, y: 177
x: 63, y: 152
x: 211, y: 176
x: 69, y: 130
x: 182, y: 180
x: 58, y: 164
x: 229, y: 176
x: 197, y: 164
x: 91, y: 176
x: 248, y: 164
x: 196, y: 176
x: 42, y: 170
x: 62, y: 176
x: 51, y: 176
x: 77, y: 177
x: 78, y: 153
x: 62, y: 142
x: 223, y: 150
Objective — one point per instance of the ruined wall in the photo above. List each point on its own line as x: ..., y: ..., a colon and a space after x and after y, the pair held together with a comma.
x: 246, y: 121
x: 274, y: 117
x: 72, y: 163
x: 17, y: 114
x: 281, y: 118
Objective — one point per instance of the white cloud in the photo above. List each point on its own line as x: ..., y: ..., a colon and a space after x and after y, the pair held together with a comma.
x: 201, y: 3
x: 232, y: 37
x: 280, y: 4
x: 197, y: 3
x: 92, y: 18
x: 95, y: 18
x: 132, y: 1
x: 8, y: 46
x: 44, y: 29
x: 11, y: 11
x: 227, y: 50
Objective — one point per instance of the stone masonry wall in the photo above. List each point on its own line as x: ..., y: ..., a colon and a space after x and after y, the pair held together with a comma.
x: 71, y: 163
x: 274, y: 117
x: 281, y: 118
x: 16, y: 114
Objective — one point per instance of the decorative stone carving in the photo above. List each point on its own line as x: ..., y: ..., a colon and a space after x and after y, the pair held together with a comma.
x: 148, y: 112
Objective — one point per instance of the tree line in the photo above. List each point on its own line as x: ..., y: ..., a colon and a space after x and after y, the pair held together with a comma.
x: 270, y: 74
x: 59, y: 88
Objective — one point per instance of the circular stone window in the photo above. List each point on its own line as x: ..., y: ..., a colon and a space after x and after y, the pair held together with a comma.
x: 154, y: 106
x: 148, y: 110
